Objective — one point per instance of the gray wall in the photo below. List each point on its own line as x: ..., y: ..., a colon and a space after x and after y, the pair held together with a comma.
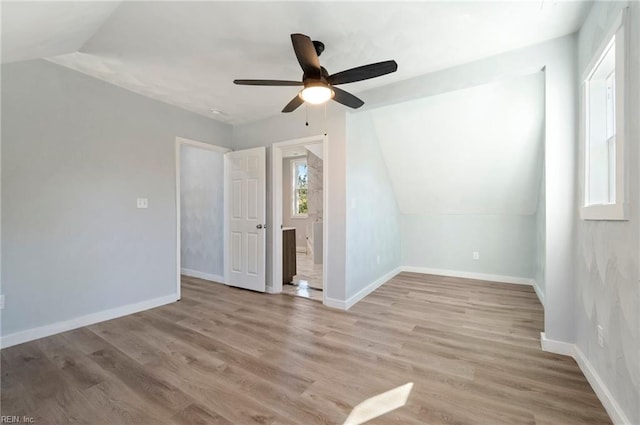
x: 506, y: 243
x: 540, y: 239
x: 464, y: 180
x: 76, y: 153
x: 608, y: 253
x: 557, y: 58
x: 300, y: 223
x: 292, y: 126
x: 202, y: 211
x: 373, y: 217
x: 560, y: 186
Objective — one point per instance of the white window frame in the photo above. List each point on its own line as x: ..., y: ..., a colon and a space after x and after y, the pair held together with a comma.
x: 294, y: 187
x: 618, y: 210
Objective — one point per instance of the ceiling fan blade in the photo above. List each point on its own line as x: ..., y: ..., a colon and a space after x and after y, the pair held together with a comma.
x: 306, y: 54
x: 363, y: 72
x: 293, y: 105
x: 347, y: 98
x: 267, y: 83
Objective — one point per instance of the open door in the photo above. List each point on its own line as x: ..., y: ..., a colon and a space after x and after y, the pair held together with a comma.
x: 246, y: 218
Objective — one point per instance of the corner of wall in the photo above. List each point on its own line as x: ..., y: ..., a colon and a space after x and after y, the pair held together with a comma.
x: 615, y: 411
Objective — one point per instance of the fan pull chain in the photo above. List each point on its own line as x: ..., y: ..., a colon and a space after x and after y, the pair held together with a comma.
x: 325, y: 119
x: 306, y: 109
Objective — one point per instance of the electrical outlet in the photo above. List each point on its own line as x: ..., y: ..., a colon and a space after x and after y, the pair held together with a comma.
x: 142, y: 203
x: 1, y: 302
x: 600, y: 336
x: 476, y: 255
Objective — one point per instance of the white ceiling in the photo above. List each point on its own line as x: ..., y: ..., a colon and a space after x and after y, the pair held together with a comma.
x: 472, y: 151
x: 37, y: 30
x: 293, y: 151
x: 188, y: 53
x: 301, y: 150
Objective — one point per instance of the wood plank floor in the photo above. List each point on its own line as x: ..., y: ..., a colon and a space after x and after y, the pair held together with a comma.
x: 229, y: 356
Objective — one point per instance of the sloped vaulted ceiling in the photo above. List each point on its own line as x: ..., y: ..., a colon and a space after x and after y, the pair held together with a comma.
x: 473, y: 151
x: 32, y: 30
x: 188, y: 53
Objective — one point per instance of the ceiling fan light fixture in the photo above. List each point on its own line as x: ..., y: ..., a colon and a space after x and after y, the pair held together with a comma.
x: 316, y: 94
x: 319, y: 85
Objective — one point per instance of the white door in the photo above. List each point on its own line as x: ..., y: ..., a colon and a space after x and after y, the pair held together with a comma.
x: 246, y: 218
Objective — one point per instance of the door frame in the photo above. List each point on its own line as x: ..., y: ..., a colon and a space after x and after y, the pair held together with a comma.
x: 277, y: 210
x: 182, y: 141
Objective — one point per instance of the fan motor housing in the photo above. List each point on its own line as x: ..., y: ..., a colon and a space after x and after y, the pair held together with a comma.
x: 319, y: 45
x: 323, y: 78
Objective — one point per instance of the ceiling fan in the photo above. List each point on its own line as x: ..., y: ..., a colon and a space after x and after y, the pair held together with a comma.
x: 319, y: 86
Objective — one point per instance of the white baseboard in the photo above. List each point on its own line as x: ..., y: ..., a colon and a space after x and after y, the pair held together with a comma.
x: 470, y: 275
x: 609, y: 403
x: 347, y: 304
x: 351, y: 301
x: 558, y: 347
x: 335, y: 303
x: 539, y: 292
x: 78, y: 322
x: 201, y: 275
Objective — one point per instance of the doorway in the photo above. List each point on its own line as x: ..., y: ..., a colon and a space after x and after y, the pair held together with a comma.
x: 200, y: 228
x: 299, y: 199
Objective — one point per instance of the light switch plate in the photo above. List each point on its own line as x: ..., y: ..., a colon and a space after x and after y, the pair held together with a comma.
x: 143, y: 203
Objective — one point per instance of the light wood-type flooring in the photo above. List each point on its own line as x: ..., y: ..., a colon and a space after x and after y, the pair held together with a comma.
x: 229, y: 356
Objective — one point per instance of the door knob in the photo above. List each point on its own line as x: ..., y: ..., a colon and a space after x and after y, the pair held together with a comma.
x: 259, y: 226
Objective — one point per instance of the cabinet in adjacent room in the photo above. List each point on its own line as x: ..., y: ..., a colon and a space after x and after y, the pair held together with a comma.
x: 288, y: 254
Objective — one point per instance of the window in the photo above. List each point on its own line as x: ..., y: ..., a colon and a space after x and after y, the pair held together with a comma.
x: 601, y: 140
x: 300, y: 188
x: 604, y: 130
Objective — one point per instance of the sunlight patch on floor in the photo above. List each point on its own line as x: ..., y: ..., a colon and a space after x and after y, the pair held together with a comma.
x: 379, y: 405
